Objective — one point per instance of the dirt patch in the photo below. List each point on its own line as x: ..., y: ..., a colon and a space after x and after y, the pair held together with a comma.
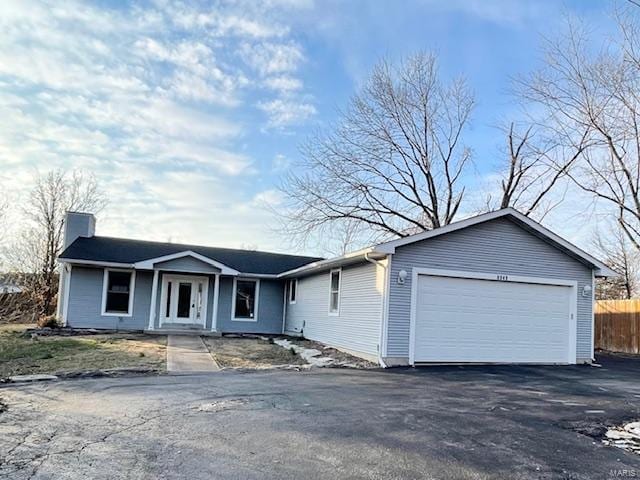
x: 22, y: 354
x: 338, y: 358
x: 221, y: 405
x: 245, y: 352
x: 619, y: 432
x: 590, y: 428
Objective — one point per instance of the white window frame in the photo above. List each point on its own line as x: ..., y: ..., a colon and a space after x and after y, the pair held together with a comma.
x: 331, y: 272
x: 233, y: 300
x: 293, y: 281
x: 105, y: 284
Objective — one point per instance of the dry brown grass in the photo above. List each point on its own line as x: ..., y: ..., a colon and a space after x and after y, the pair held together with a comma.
x: 24, y: 355
x: 250, y: 353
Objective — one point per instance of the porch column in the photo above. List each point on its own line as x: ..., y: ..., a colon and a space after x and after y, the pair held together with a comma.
x: 216, y: 293
x: 154, y: 295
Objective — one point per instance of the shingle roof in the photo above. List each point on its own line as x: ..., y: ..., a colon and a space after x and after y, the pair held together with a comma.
x: 122, y: 250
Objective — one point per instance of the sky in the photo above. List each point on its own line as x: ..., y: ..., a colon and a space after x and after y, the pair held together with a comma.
x: 189, y: 113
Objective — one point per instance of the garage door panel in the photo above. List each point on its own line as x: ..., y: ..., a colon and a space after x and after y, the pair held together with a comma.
x: 471, y: 320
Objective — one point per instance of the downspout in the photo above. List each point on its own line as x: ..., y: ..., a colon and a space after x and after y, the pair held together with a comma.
x: 284, y: 306
x: 377, y: 263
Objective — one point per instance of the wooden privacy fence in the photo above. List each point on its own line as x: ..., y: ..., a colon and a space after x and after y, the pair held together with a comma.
x: 617, y: 325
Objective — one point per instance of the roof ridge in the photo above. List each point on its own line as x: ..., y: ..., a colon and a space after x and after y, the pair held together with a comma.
x: 204, y: 246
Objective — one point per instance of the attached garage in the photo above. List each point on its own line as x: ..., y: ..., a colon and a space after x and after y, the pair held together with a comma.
x: 464, y: 317
x: 495, y: 288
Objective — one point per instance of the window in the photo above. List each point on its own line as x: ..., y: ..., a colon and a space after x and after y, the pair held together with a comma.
x: 293, y: 287
x: 117, y: 294
x: 245, y: 300
x: 334, y: 292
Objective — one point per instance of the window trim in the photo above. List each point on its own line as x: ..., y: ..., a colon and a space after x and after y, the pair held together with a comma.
x: 256, y: 300
x: 331, y: 272
x: 295, y: 282
x: 105, y: 284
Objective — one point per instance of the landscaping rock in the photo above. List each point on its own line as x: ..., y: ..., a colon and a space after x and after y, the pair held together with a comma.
x: 71, y: 332
x: 626, y: 437
x: 32, y: 378
x: 316, y: 358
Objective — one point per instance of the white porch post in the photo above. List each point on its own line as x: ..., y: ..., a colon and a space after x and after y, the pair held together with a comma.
x: 154, y: 295
x: 62, y: 278
x: 216, y: 293
x: 63, y: 292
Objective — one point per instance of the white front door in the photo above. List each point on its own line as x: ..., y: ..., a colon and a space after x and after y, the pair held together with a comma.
x: 184, y: 300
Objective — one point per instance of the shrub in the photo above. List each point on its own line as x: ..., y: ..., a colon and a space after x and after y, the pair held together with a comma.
x: 48, y: 321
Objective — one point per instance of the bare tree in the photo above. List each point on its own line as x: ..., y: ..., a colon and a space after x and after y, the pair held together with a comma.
x: 617, y: 252
x: 39, y: 244
x: 395, y: 161
x: 537, y: 165
x: 343, y: 236
x: 594, y: 92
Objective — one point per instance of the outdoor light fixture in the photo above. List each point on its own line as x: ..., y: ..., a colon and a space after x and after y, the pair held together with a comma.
x: 586, y: 290
x: 402, y: 276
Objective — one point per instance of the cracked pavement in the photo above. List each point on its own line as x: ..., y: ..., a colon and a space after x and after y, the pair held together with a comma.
x: 438, y: 422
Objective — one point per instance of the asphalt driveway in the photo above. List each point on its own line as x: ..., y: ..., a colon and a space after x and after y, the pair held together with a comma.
x: 438, y: 422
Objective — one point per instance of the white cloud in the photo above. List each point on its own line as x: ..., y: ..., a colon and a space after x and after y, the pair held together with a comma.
x: 280, y: 163
x: 269, y: 198
x: 147, y: 97
x: 284, y: 112
x: 284, y: 84
x: 270, y: 58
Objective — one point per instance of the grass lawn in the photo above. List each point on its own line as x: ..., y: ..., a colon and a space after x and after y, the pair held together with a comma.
x: 250, y: 353
x: 23, y: 355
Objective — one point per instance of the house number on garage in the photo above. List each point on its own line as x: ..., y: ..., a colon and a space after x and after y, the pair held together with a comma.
x: 502, y: 278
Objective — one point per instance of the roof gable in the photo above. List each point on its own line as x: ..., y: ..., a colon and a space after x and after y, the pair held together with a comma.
x: 174, y: 260
x: 523, y: 221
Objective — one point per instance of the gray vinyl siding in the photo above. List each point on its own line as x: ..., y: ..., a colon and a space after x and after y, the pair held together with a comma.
x: 270, y: 299
x: 497, y: 247
x: 85, y: 301
x: 357, y: 327
x: 186, y: 264
x: 85, y: 304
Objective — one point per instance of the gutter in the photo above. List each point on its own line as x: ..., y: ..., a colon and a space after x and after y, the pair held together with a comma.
x: 333, y: 262
x: 132, y: 266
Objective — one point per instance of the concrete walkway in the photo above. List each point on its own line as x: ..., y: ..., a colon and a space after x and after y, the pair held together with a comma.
x: 189, y: 354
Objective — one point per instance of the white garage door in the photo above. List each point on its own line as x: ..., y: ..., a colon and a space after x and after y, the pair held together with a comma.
x: 478, y: 320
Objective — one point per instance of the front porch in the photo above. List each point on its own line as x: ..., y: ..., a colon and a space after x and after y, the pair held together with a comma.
x: 193, y: 295
x: 181, y: 329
